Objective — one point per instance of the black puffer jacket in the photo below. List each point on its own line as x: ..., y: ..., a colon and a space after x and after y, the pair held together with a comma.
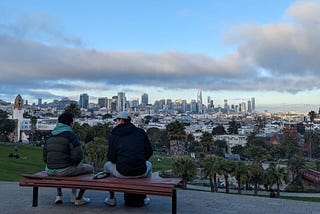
x: 62, y: 150
x: 129, y: 148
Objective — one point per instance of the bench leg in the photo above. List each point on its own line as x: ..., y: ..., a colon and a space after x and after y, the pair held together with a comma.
x: 35, y: 197
x: 174, y: 201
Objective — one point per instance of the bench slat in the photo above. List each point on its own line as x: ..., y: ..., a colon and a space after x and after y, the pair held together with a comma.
x: 162, y: 187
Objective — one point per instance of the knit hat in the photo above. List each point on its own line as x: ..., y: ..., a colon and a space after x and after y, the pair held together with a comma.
x: 66, y: 118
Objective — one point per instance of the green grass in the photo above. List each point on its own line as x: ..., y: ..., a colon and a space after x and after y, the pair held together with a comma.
x: 297, y: 198
x: 30, y: 161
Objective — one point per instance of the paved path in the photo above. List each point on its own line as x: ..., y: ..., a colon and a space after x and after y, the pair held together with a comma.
x: 15, y: 199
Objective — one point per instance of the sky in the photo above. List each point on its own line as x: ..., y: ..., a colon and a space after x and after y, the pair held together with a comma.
x: 170, y: 49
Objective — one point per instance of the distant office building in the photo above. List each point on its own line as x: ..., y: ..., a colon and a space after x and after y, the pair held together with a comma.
x: 39, y: 102
x: 84, y: 101
x: 242, y: 107
x: 249, y: 106
x: 226, y: 106
x: 103, y: 102
x: 144, y: 99
x: 121, y: 102
x: 199, y: 102
x: 184, y: 106
x: 253, y: 104
x: 193, y: 106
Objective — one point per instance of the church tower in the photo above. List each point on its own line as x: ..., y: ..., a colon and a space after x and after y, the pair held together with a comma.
x: 18, y: 115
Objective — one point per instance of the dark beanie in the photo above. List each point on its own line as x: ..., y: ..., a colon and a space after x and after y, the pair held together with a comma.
x: 66, y: 118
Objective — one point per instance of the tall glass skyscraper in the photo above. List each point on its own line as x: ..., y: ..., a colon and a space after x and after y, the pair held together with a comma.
x: 84, y: 100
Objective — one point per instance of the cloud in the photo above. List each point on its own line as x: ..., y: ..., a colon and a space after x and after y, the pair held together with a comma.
x: 279, y: 56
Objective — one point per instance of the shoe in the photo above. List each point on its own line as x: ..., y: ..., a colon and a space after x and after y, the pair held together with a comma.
x: 58, y: 199
x: 82, y: 201
x: 147, y: 200
x: 110, y: 201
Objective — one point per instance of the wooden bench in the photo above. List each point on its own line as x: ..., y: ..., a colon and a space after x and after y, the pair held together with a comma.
x: 151, y: 186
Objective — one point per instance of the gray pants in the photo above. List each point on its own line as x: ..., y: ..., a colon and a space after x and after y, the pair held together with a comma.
x: 76, y: 170
x: 112, y: 169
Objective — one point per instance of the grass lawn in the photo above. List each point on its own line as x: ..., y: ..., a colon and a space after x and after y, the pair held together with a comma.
x: 30, y: 161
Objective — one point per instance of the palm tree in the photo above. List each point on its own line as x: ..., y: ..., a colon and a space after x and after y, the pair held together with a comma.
x: 312, y: 115
x: 184, y: 167
x: 96, y: 151
x: 312, y: 138
x: 240, y: 172
x: 211, y: 168
x: 276, y: 175
x: 177, y: 137
x: 256, y: 173
x: 226, y: 167
x: 296, y: 165
x: 206, y: 142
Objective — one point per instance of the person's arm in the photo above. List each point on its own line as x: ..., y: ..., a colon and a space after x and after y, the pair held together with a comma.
x: 112, y: 149
x: 147, y: 147
x: 76, y: 152
x: 44, y: 152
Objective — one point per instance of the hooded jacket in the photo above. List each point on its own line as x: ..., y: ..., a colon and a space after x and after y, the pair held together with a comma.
x: 62, y: 148
x: 129, y: 149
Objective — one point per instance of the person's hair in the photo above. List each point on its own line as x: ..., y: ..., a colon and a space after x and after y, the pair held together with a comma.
x: 66, y: 118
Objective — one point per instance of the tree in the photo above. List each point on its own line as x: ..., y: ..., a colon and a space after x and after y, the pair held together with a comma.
x: 312, y: 115
x: 96, y: 152
x: 211, y: 168
x: 7, y: 126
x: 233, y: 127
x: 240, y: 172
x: 154, y: 136
x: 177, y: 137
x: 312, y: 138
x: 276, y: 175
x: 218, y: 130
x: 256, y: 175
x: 226, y: 167
x: 296, y: 165
x: 74, y: 109
x: 290, y: 145
x: 206, y: 142
x: 257, y: 153
x: 220, y: 147
x: 184, y: 167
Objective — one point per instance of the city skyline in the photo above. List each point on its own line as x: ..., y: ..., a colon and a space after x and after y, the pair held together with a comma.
x: 168, y: 49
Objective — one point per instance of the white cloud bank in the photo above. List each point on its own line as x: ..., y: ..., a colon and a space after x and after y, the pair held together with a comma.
x: 281, y: 57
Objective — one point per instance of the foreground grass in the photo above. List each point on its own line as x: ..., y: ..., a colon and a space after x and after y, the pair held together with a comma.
x: 297, y: 198
x: 30, y: 161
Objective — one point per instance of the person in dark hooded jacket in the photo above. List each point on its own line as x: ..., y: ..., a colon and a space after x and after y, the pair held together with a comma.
x: 62, y: 153
x: 128, y: 152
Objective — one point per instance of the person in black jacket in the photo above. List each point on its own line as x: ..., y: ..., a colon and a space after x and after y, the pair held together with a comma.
x: 128, y: 152
x: 62, y: 153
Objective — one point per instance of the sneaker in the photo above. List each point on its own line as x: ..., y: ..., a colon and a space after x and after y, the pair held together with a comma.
x: 58, y: 199
x: 82, y: 201
x: 147, y: 200
x: 110, y: 201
